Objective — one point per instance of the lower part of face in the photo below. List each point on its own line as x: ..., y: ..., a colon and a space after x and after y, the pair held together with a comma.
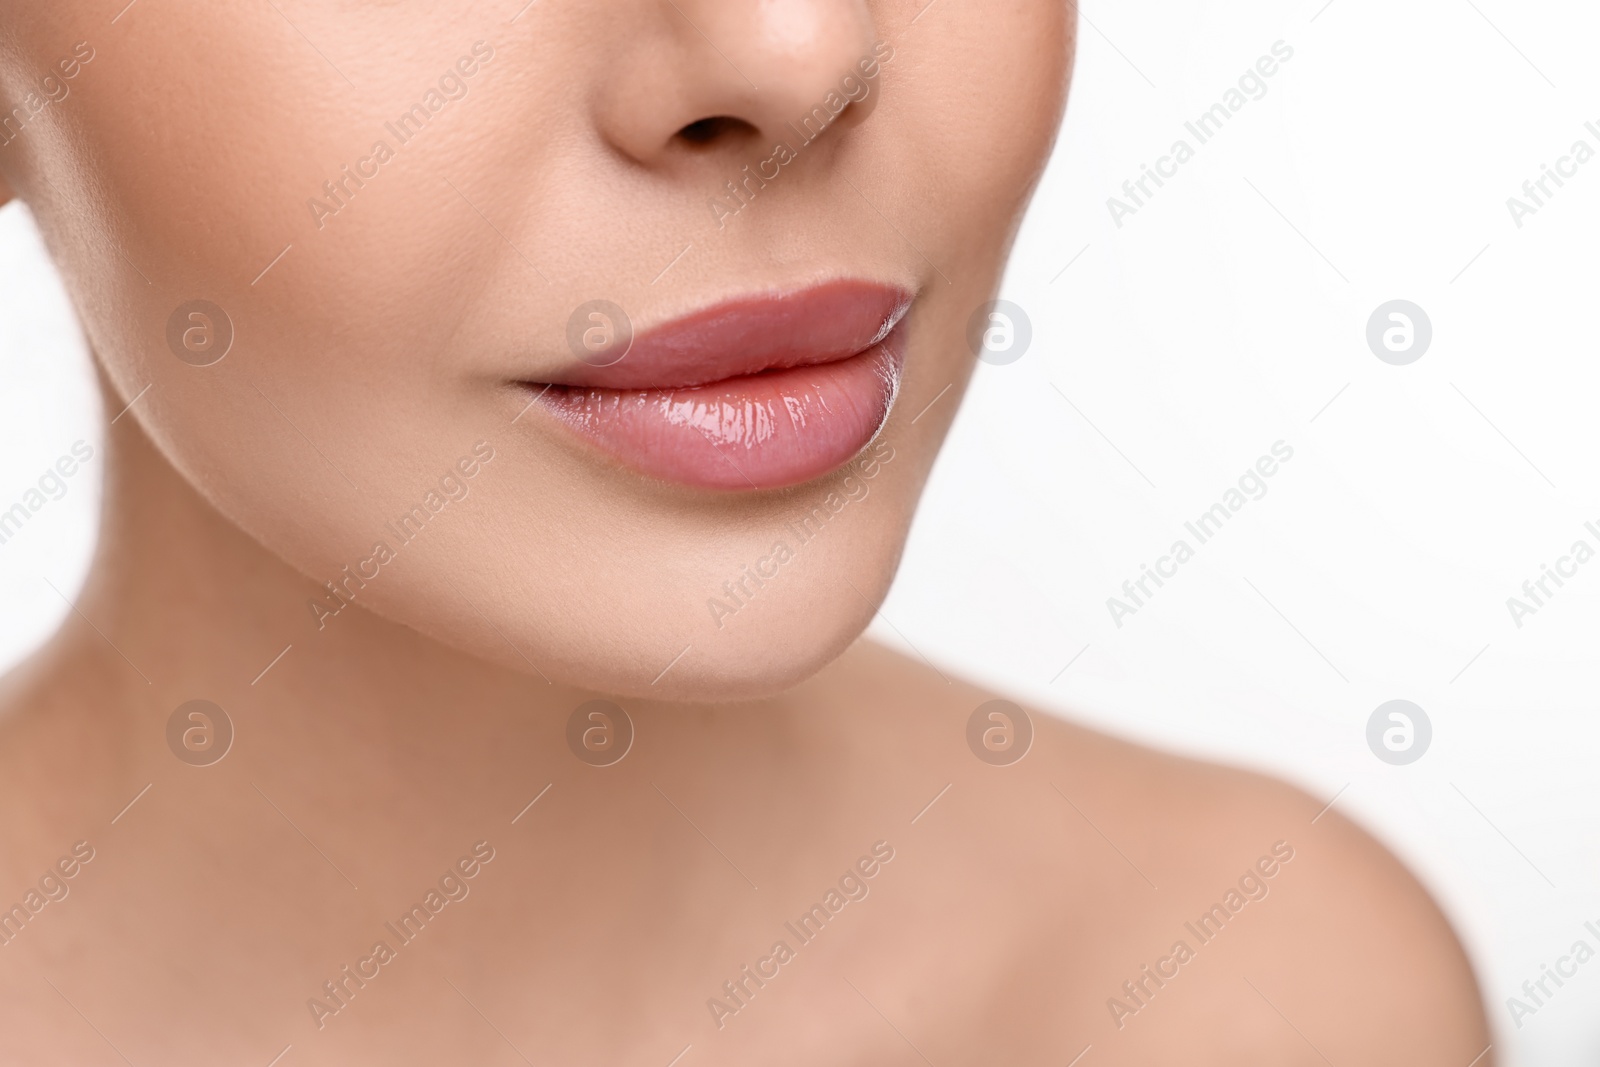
x: 354, y: 252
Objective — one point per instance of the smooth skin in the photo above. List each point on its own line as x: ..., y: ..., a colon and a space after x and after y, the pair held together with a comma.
x: 421, y: 720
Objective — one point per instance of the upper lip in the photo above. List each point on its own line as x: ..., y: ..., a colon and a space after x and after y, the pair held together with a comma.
x: 750, y: 334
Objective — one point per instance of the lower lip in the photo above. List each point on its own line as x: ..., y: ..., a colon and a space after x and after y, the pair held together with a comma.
x: 759, y: 431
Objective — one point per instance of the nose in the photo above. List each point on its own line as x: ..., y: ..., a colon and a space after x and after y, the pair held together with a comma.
x: 703, y: 73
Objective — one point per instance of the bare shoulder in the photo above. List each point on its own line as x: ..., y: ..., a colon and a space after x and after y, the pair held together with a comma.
x: 1202, y: 899
x: 1338, y: 952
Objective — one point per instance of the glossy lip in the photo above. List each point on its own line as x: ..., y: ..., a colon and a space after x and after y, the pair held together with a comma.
x: 759, y: 392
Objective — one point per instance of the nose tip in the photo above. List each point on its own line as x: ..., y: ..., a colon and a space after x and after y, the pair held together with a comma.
x: 717, y: 73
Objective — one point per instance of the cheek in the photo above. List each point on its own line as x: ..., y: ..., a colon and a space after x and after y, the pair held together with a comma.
x: 199, y: 144
x: 982, y: 122
x: 970, y: 133
x: 333, y: 378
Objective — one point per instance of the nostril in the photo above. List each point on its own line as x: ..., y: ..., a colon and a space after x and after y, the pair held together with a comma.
x: 716, y: 128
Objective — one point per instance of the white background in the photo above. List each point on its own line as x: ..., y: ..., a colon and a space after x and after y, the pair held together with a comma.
x: 1173, y: 351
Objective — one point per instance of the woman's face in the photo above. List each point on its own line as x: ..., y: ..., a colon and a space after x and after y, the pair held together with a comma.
x: 491, y: 282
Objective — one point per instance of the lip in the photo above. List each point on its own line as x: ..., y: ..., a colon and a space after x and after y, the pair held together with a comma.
x: 759, y: 392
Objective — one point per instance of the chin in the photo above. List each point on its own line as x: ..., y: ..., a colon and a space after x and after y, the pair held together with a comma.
x: 772, y: 644
x: 763, y: 661
x: 772, y: 658
x: 641, y: 628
